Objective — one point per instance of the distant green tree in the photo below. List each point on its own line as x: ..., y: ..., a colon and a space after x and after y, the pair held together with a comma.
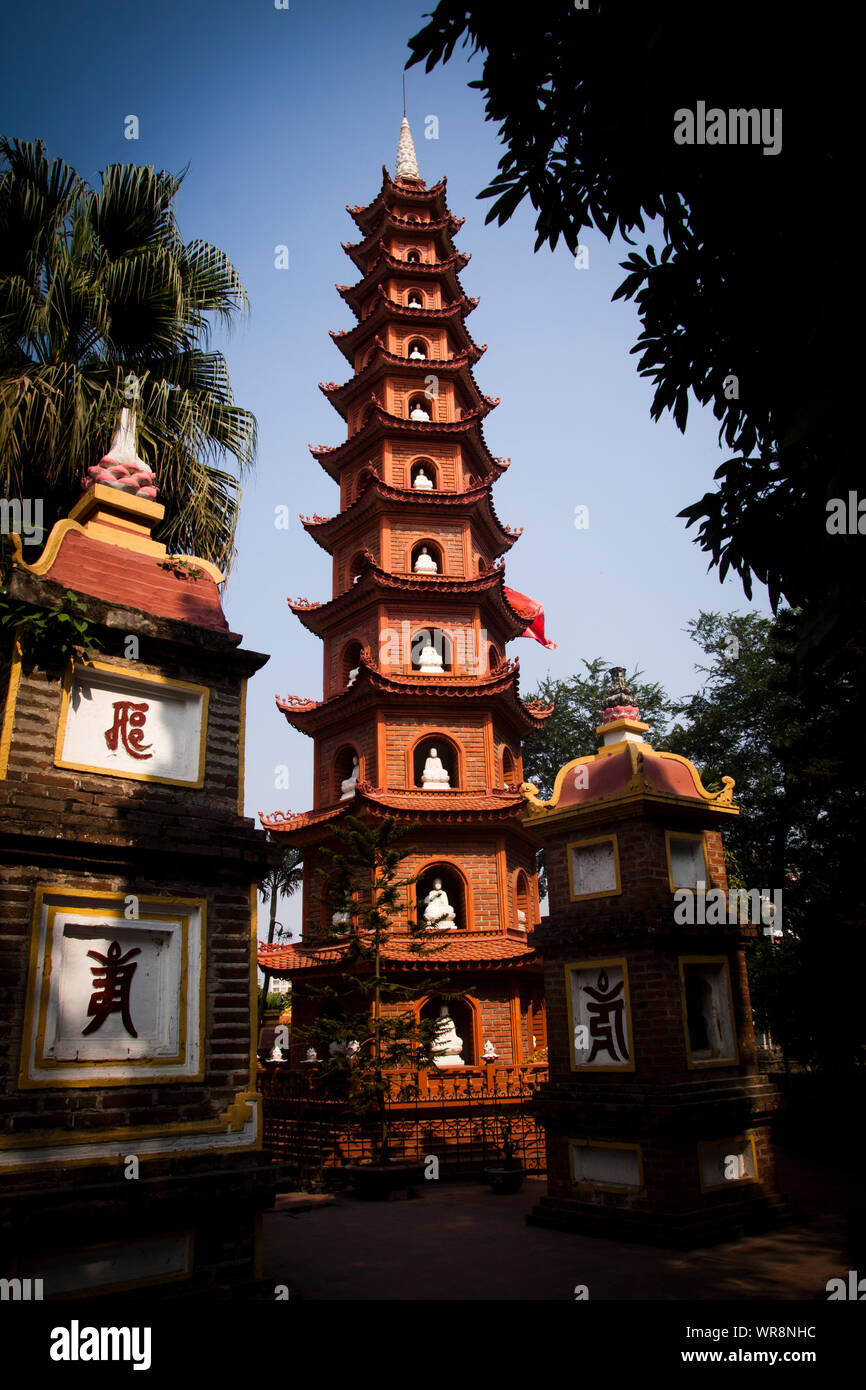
x: 570, y: 732
x: 802, y: 797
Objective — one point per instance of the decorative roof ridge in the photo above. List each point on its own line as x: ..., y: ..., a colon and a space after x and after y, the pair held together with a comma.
x: 397, y: 263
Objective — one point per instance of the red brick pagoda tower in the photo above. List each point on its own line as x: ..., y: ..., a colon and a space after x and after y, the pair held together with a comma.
x: 421, y: 717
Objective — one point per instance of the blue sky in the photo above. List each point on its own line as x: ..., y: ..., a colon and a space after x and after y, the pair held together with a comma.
x: 284, y: 117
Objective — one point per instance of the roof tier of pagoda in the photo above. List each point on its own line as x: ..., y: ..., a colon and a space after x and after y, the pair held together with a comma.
x: 378, y: 498
x: 383, y: 364
x: 388, y: 265
x: 441, y: 229
x: 464, y: 950
x: 375, y: 584
x: 413, y: 193
x: 381, y: 425
x: 497, y: 689
x: 386, y: 310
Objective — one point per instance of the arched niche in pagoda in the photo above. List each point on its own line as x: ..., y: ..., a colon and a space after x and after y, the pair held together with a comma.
x: 422, y: 640
x: 414, y: 299
x: 494, y: 656
x: 448, y: 751
x: 466, y: 1013
x: 350, y: 660
x: 355, y: 568
x: 417, y: 404
x: 456, y: 886
x: 413, y: 256
x: 424, y: 466
x: 434, y: 551
x: 509, y: 768
x: 343, y: 767
x: 365, y: 476
x: 523, y: 897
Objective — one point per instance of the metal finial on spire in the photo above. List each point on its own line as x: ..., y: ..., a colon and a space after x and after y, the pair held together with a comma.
x: 404, y: 94
x: 407, y: 163
x: 618, y: 700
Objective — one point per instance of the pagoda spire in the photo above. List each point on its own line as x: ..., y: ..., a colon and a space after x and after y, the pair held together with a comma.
x: 407, y: 162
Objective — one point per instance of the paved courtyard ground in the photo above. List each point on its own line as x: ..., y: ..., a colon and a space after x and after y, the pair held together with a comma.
x: 459, y: 1241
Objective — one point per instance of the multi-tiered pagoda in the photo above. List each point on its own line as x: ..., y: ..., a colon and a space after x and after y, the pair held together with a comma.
x: 421, y: 717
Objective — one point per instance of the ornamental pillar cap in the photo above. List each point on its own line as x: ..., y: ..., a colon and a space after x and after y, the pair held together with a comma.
x: 620, y: 716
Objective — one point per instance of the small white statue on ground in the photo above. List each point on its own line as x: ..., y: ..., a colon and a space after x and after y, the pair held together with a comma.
x: 438, y: 912
x: 446, y: 1046
x: 348, y: 785
x: 435, y: 776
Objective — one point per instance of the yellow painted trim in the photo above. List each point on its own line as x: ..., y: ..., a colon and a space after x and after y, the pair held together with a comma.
x: 700, y: 1065
x: 120, y: 1286
x: 598, y: 965
x: 35, y: 1014
x: 606, y: 1187
x: 749, y: 1137
x: 582, y: 844
x: 9, y: 709
x: 686, y: 835
x: 115, y: 499
x: 242, y: 743
x: 231, y: 1120
x: 719, y: 801
x: 208, y: 566
x: 130, y: 674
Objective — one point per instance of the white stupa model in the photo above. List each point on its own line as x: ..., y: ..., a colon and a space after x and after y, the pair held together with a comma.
x: 446, y: 1046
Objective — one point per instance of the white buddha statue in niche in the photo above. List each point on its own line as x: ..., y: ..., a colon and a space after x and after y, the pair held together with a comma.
x: 353, y: 676
x: 425, y: 564
x: 438, y: 912
x: 416, y: 355
x: 429, y: 658
x: 348, y: 785
x: 446, y: 1046
x: 341, y: 919
x: 521, y: 919
x: 435, y: 776
x: 419, y: 412
x: 422, y: 481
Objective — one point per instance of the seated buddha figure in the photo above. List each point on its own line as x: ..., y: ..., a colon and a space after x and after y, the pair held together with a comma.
x: 425, y: 564
x: 435, y: 777
x: 348, y: 785
x: 422, y: 481
x: 438, y: 912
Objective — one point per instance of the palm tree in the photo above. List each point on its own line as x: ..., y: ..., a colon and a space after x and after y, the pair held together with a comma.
x: 102, y: 302
x: 281, y: 881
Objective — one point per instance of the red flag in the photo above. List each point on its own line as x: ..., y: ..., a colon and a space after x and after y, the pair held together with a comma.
x: 529, y: 608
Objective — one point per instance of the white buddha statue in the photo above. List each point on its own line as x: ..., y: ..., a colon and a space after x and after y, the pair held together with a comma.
x: 435, y: 777
x: 352, y: 1046
x: 422, y: 481
x: 446, y: 1046
x: 489, y: 1054
x: 419, y: 412
x: 425, y: 564
x: 311, y: 1055
x: 416, y: 355
x: 341, y: 919
x: 521, y: 919
x: 348, y: 785
x: 353, y: 676
x: 276, y: 1053
x: 438, y: 912
x: 430, y: 659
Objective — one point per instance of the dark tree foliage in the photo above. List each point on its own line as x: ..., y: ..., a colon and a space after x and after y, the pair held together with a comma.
x: 801, y: 793
x: 731, y: 283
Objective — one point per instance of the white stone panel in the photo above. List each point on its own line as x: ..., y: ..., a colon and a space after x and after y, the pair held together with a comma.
x: 133, y: 727
x: 605, y: 1167
x: 593, y: 868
